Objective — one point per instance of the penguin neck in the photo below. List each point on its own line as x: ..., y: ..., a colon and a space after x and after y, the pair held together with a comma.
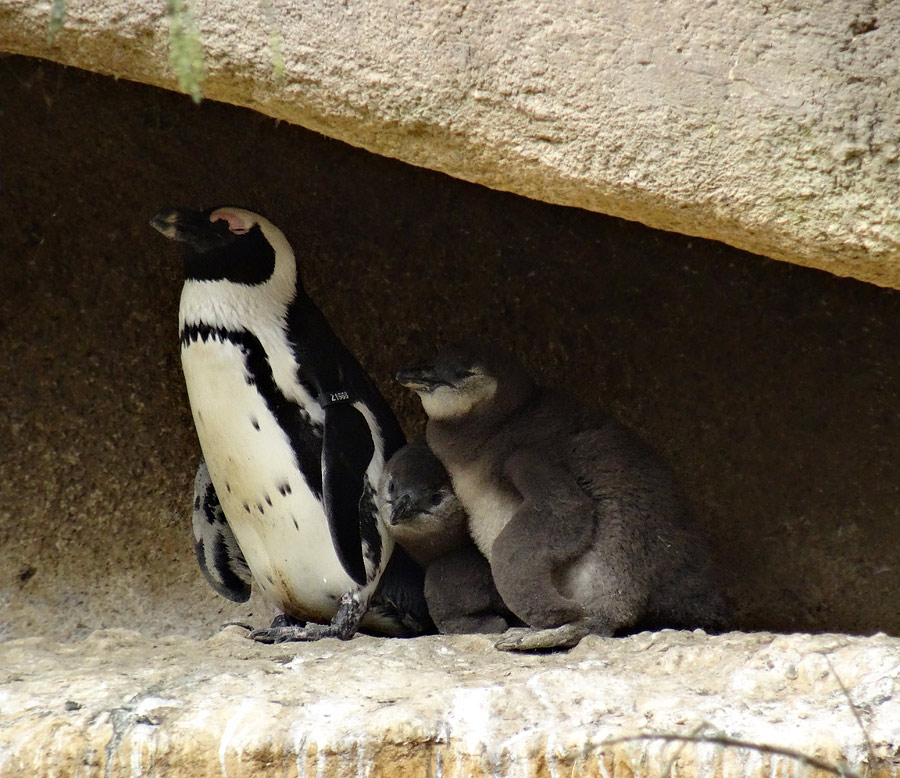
x: 234, y: 307
x: 460, y: 439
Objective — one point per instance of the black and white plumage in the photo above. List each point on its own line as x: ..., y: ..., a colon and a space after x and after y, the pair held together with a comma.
x: 584, y: 527
x: 218, y: 553
x: 426, y: 518
x: 294, y: 436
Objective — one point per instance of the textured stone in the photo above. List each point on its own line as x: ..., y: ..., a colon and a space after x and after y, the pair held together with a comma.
x: 121, y: 704
x: 770, y: 126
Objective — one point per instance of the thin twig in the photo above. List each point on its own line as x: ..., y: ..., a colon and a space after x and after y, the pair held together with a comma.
x: 694, y: 732
x: 723, y: 740
x: 869, y: 747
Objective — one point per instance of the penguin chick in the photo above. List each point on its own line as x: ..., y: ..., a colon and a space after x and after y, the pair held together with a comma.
x: 418, y: 504
x: 294, y: 437
x: 461, y: 595
x: 584, y: 527
x: 425, y: 517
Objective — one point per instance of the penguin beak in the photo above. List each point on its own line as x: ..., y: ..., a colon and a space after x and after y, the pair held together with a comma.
x: 191, y: 227
x: 177, y: 223
x: 401, y: 509
x: 422, y: 378
x: 165, y: 222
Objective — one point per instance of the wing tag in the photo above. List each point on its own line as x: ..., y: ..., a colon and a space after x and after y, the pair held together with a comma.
x: 332, y: 398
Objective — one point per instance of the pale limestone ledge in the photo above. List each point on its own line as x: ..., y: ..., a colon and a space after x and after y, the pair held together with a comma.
x: 771, y: 126
x: 123, y: 704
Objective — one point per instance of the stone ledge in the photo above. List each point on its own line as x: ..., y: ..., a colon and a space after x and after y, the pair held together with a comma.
x: 772, y: 127
x: 121, y: 703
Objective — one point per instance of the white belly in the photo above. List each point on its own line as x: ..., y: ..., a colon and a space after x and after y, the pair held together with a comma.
x: 277, y: 521
x: 489, y: 508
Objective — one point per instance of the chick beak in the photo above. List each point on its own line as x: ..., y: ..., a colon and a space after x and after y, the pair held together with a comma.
x: 401, y: 509
x: 422, y: 378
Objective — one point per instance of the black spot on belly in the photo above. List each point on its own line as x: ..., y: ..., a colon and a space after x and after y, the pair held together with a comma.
x: 296, y: 525
x: 197, y: 503
x: 285, y: 489
x: 255, y: 424
x: 246, y: 507
x: 268, y: 501
x: 260, y: 508
x: 228, y: 487
x: 270, y: 579
x: 304, y: 435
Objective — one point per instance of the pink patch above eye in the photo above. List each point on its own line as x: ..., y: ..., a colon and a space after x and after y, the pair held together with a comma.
x: 237, y: 223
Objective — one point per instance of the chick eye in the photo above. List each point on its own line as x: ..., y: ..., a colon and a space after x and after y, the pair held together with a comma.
x: 391, y: 487
x: 436, y: 499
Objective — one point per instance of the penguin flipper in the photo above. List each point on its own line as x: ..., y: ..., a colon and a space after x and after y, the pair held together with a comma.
x: 555, y: 509
x: 218, y: 553
x: 547, y: 488
x: 347, y: 450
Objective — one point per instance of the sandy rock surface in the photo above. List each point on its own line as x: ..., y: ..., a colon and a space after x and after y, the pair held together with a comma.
x: 121, y: 703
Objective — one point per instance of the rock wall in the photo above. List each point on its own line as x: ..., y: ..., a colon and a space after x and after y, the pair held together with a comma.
x: 770, y: 126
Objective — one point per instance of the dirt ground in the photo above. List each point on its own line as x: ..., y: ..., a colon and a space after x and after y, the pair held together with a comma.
x: 772, y: 389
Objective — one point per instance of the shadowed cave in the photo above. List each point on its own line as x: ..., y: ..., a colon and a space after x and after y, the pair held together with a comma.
x: 771, y: 389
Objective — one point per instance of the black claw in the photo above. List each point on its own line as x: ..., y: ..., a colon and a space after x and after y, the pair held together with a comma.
x: 283, y: 620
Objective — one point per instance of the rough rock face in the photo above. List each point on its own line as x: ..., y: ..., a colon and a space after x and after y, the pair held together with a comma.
x: 770, y: 126
x: 121, y: 704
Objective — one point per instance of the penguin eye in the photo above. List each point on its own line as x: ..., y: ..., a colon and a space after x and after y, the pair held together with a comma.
x: 436, y: 499
x: 391, y: 487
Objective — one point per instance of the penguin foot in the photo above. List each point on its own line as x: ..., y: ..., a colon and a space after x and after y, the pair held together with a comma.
x: 343, y: 626
x: 283, y: 620
x: 292, y: 633
x: 528, y: 639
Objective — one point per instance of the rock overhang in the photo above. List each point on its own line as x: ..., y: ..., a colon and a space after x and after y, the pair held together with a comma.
x: 769, y: 127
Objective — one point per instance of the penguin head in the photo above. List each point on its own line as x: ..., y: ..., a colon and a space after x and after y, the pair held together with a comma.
x: 465, y: 380
x: 416, y: 508
x: 415, y: 487
x: 228, y: 244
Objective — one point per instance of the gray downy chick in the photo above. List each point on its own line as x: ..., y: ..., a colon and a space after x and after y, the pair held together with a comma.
x: 424, y: 515
x: 584, y: 527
